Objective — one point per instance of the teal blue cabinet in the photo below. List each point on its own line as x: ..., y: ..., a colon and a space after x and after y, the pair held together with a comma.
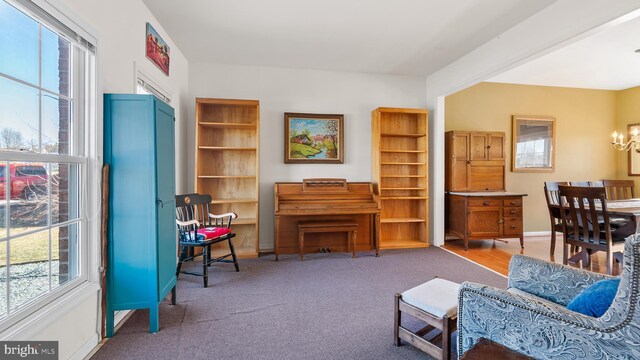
x: 140, y: 150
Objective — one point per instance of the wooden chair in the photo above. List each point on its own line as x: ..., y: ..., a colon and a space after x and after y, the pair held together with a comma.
x: 587, y: 233
x: 619, y: 189
x: 198, y: 228
x: 580, y: 183
x: 553, y: 205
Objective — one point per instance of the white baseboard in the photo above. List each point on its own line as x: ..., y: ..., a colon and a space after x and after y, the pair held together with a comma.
x: 87, y: 349
x: 119, y: 318
x: 537, y: 233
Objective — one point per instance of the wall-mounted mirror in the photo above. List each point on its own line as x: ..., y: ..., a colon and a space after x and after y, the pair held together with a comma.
x: 633, y: 164
x: 533, y: 144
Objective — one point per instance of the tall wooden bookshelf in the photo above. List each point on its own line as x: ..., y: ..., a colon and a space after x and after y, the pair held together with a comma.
x: 227, y: 164
x: 399, y: 153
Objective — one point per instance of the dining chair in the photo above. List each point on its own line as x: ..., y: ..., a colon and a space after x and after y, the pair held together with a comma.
x: 619, y: 189
x: 580, y: 183
x: 582, y: 229
x: 553, y: 205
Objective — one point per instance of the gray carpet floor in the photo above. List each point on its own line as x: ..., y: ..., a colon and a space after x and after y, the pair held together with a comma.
x: 328, y: 306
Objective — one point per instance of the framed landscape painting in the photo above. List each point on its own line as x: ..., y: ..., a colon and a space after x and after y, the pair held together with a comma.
x: 157, y: 50
x: 313, y: 138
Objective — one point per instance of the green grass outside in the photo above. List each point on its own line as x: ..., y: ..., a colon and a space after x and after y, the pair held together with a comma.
x: 30, y: 248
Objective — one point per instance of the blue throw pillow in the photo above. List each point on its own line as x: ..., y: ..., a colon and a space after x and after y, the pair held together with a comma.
x: 596, y: 299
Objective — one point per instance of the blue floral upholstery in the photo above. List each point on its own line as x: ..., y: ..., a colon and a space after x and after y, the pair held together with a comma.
x: 541, y: 326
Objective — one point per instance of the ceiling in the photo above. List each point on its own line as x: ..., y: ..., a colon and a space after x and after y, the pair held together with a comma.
x: 402, y: 37
x: 606, y: 60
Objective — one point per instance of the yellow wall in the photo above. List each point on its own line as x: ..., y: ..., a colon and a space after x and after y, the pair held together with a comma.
x: 628, y: 112
x: 584, y: 121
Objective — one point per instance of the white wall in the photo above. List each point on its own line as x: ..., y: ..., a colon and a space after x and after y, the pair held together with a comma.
x: 308, y: 91
x: 119, y: 26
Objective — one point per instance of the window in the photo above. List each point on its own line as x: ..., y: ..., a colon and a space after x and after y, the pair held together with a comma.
x: 533, y: 139
x: 44, y: 82
x: 144, y: 85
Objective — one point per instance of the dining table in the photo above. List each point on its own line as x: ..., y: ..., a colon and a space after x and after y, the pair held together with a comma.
x: 628, y: 209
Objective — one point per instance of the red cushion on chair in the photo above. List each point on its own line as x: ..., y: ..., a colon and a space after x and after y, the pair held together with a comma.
x: 212, y: 233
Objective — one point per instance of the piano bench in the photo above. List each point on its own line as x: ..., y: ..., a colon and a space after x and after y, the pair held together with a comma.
x: 329, y: 226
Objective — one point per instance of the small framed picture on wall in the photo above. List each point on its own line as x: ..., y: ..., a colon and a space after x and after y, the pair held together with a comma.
x: 157, y: 50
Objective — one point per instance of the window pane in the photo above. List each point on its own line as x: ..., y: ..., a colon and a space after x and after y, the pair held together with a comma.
x: 3, y: 203
x: 3, y: 278
x: 55, y: 62
x: 55, y: 124
x: 64, y: 254
x: 28, y: 268
x: 140, y: 89
x: 19, y: 125
x: 19, y: 52
x: 29, y: 200
x: 65, y: 192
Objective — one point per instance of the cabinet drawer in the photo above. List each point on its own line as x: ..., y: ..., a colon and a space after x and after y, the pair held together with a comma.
x: 512, y: 226
x: 513, y: 202
x: 512, y: 212
x: 484, y: 202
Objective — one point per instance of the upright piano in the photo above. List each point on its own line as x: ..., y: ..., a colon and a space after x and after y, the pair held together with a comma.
x: 325, y: 200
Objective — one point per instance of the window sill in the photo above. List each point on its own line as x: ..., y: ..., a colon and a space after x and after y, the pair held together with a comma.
x: 44, y: 317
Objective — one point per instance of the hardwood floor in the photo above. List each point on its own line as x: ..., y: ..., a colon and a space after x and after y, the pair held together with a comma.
x: 496, y: 254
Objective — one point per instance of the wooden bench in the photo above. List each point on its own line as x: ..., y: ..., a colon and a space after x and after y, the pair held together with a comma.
x: 334, y: 226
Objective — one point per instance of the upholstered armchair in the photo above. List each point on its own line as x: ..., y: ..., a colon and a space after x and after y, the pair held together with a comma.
x: 531, y: 315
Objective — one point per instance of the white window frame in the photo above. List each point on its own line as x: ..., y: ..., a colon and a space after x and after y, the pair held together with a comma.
x: 143, y: 84
x: 36, y: 314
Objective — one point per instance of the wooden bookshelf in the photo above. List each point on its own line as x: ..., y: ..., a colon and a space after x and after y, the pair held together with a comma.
x: 399, y: 167
x: 227, y: 165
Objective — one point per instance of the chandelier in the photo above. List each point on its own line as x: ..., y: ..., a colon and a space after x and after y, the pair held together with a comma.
x: 633, y: 143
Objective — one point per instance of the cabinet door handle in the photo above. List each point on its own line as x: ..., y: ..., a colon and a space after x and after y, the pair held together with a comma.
x: 486, y: 203
x: 468, y: 161
x: 512, y: 212
x: 513, y: 226
x: 501, y: 221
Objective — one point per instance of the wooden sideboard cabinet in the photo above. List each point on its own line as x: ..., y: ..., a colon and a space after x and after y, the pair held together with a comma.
x: 482, y: 216
x: 475, y: 161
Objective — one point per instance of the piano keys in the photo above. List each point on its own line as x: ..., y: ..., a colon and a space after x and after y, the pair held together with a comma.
x: 325, y: 200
